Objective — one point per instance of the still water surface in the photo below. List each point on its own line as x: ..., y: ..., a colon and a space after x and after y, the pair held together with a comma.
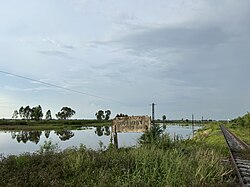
x: 13, y: 142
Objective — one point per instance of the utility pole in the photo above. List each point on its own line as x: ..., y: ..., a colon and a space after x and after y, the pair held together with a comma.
x: 153, y: 113
x: 193, y: 124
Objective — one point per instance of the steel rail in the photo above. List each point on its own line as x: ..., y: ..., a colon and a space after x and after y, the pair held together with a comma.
x: 242, y: 165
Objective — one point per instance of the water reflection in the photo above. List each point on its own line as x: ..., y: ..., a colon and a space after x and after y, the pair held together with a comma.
x: 100, y: 131
x: 24, y: 136
x: 63, y: 135
x: 34, y: 136
x: 47, y: 133
x: 17, y: 142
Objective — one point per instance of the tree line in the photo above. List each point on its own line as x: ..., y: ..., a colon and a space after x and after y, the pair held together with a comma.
x: 36, y: 113
x: 243, y: 121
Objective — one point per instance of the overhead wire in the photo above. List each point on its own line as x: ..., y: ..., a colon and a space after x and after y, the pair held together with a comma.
x: 61, y: 87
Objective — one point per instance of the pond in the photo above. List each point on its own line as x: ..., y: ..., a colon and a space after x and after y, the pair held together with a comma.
x: 17, y: 142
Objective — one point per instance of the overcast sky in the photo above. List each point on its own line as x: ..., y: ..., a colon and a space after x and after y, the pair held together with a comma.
x: 188, y: 57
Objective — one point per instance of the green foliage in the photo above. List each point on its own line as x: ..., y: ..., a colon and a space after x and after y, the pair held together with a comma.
x: 32, y: 170
x: 210, y: 135
x: 151, y: 136
x: 27, y: 112
x: 36, y: 113
x: 100, y: 115
x: 107, y: 114
x: 185, y: 163
x: 15, y: 114
x: 48, y: 115
x: 121, y: 115
x: 48, y: 147
x: 65, y: 113
x: 164, y: 117
x: 243, y: 121
x: 21, y: 112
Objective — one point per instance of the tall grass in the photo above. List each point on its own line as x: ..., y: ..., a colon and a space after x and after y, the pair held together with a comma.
x: 162, y: 163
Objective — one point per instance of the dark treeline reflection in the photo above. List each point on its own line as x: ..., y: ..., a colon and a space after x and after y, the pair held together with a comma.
x: 34, y: 136
x: 24, y: 136
x: 64, y: 134
x: 100, y: 131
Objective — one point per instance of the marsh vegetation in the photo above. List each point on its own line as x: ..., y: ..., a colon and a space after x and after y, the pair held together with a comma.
x: 157, y: 161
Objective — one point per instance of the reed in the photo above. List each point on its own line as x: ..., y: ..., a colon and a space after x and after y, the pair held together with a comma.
x: 164, y: 162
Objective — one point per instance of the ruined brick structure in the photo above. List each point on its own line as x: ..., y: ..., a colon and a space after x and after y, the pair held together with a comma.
x: 131, y: 124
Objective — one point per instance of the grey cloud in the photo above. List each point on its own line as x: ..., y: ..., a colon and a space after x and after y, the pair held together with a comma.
x: 56, y: 53
x: 174, y: 37
x: 57, y: 43
x: 118, y: 70
x: 68, y: 47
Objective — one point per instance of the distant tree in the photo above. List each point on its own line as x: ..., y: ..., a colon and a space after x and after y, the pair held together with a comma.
x: 65, y: 113
x: 100, y: 115
x: 27, y: 112
x: 164, y: 117
x: 121, y: 115
x: 107, y: 114
x: 21, y: 112
x: 36, y: 113
x: 48, y: 115
x: 15, y: 114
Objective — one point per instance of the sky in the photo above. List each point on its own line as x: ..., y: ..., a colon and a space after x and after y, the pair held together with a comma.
x: 187, y: 57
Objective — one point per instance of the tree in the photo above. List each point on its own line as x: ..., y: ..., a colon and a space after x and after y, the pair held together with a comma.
x: 121, y: 115
x: 100, y: 115
x: 108, y: 113
x: 48, y: 115
x: 164, y: 117
x: 27, y: 112
x: 65, y: 113
x: 36, y: 113
x: 15, y: 114
x: 21, y: 112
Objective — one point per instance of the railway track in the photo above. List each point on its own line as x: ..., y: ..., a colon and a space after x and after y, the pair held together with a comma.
x: 240, y: 156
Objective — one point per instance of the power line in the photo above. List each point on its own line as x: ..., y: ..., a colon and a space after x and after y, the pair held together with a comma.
x: 53, y: 85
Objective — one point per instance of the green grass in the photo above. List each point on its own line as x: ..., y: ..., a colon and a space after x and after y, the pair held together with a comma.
x: 165, y: 163
x: 242, y: 132
x: 211, y: 136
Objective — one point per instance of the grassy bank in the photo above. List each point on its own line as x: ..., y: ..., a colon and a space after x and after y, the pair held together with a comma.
x: 50, y: 124
x: 212, y: 136
x: 157, y: 162
x: 211, y: 133
x: 242, y: 132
